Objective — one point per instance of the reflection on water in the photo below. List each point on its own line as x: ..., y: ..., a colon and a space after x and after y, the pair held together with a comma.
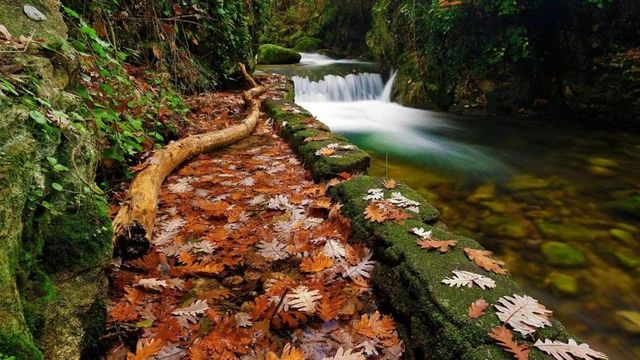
x: 560, y: 204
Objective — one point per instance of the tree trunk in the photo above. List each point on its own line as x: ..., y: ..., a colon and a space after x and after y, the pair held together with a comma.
x: 133, y: 225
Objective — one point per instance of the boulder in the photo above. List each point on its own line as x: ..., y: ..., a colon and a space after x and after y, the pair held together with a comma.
x: 561, y: 254
x: 273, y: 54
x: 307, y: 44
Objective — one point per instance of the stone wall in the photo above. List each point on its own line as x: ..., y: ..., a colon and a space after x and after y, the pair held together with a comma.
x: 54, y: 240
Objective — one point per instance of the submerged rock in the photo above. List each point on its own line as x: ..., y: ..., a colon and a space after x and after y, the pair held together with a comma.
x: 561, y: 254
x: 628, y: 205
x: 483, y: 192
x: 562, y: 283
x: 602, y: 171
x: 527, y: 182
x: 622, y: 235
x: 602, y: 162
x: 627, y: 259
x: 629, y: 320
x: 502, y: 226
x: 571, y: 232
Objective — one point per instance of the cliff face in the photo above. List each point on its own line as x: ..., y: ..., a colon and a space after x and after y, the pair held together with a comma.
x: 576, y: 57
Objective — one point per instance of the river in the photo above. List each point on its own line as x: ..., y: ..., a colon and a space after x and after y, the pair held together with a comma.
x: 557, y: 201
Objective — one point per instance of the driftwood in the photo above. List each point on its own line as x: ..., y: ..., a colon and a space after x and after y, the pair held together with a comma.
x: 133, y: 225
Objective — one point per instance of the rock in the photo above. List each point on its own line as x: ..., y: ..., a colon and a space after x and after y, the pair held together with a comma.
x: 274, y: 54
x: 527, y: 182
x: 603, y: 162
x: 562, y: 283
x: 622, y: 235
x: 307, y: 44
x: 33, y: 13
x: 502, y: 226
x: 561, y: 254
x: 494, y: 206
x: 629, y: 320
x: 628, y: 205
x: 483, y: 192
x: 602, y: 171
x: 570, y: 232
x: 627, y: 259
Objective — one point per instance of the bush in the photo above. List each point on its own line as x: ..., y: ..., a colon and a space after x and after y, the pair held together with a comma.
x: 274, y: 54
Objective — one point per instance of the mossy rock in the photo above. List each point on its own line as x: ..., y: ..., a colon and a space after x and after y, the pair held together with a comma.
x: 628, y: 206
x: 561, y: 254
x: 78, y: 238
x: 307, y: 44
x: 408, y: 280
x: 17, y: 346
x: 562, y: 283
x: 13, y: 17
x: 274, y: 54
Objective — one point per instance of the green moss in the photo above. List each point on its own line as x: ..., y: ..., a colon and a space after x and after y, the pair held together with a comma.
x: 274, y: 54
x: 81, y: 237
x: 94, y: 325
x: 18, y: 346
x: 307, y: 44
x: 561, y: 254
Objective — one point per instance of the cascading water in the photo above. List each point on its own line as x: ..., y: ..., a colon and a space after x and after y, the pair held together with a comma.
x: 361, y: 104
x: 353, y: 87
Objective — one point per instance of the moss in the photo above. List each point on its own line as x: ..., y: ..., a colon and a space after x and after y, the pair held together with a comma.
x: 274, y: 54
x: 81, y: 237
x: 19, y: 346
x: 94, y: 325
x: 37, y: 292
x: 561, y: 254
x: 307, y: 44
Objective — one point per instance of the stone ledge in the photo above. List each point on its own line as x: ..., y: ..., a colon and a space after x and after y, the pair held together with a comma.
x: 298, y: 127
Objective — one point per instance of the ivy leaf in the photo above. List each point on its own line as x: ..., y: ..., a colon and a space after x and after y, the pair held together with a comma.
x: 38, y: 117
x: 56, y: 186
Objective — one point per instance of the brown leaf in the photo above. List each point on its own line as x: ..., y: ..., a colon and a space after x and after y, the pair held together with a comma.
x: 443, y: 245
x: 390, y: 184
x: 145, y: 349
x: 477, y: 308
x: 381, y: 211
x: 504, y: 337
x: 316, y: 263
x: 482, y: 259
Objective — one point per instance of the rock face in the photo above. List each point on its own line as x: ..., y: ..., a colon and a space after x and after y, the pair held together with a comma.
x: 55, y: 242
x: 581, y: 62
x: 273, y: 54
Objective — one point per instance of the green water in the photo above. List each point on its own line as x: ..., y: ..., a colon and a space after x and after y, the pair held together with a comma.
x: 557, y: 184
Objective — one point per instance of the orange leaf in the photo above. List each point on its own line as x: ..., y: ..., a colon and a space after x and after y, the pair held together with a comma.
x: 316, y: 263
x: 504, y: 337
x: 145, y: 349
x: 390, y: 184
x: 482, y: 259
x: 123, y: 312
x: 326, y: 152
x: 288, y: 353
x: 443, y: 245
x: 381, y: 211
x: 477, y: 308
x: 330, y: 307
x: 374, y: 326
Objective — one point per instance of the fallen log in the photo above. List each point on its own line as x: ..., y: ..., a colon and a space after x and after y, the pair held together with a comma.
x: 133, y: 225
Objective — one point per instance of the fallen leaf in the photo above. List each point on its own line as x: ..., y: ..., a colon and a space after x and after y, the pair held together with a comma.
x: 443, y: 245
x: 343, y: 354
x: 482, y: 259
x: 477, y: 308
x: 523, y: 313
x: 390, y: 184
x: 504, y: 337
x: 316, y: 263
x: 468, y: 279
x: 564, y: 351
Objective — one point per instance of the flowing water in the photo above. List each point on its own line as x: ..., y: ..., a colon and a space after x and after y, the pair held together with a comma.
x: 559, y: 203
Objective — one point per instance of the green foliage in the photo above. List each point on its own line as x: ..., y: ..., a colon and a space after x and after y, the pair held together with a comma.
x: 274, y: 54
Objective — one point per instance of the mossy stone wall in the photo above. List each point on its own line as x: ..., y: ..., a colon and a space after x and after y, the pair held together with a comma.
x: 54, y: 244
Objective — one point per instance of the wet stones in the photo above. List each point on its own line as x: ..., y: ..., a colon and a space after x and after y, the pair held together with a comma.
x: 561, y: 254
x: 502, y: 226
x: 562, y: 283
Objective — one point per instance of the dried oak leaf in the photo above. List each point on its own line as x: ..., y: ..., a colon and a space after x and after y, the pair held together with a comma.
x: 390, y: 184
x: 564, y: 351
x: 477, y: 308
x: 343, y: 354
x: 374, y: 326
x: 468, y: 279
x: 443, y: 245
x: 303, y: 299
x: 482, y: 259
x: 523, y: 313
x: 288, y: 353
x: 316, y: 263
x: 504, y: 337
x: 381, y: 211
x: 145, y: 349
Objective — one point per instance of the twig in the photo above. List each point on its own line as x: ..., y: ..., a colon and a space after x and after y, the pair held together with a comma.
x: 275, y: 311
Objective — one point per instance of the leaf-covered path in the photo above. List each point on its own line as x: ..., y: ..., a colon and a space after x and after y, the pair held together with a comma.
x: 249, y: 260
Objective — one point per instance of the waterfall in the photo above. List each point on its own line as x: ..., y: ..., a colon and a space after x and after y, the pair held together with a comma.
x: 388, y: 87
x: 353, y: 87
